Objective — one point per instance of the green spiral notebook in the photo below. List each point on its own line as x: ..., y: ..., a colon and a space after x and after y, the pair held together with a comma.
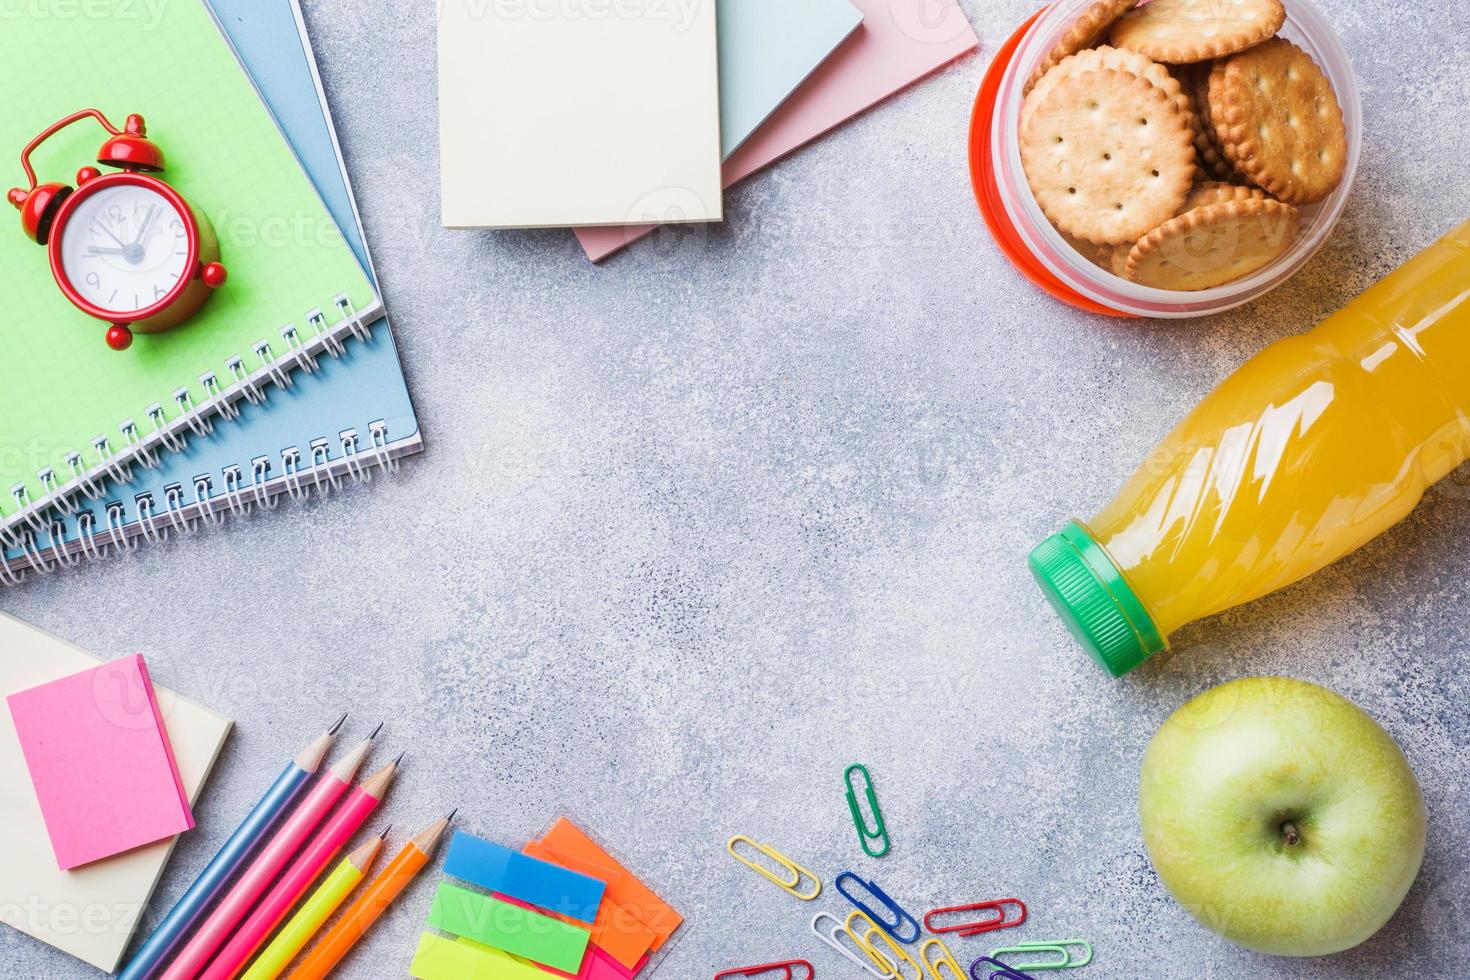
x: 71, y: 408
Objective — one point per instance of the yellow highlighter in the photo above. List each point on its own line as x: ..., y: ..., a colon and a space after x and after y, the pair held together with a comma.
x: 316, y: 910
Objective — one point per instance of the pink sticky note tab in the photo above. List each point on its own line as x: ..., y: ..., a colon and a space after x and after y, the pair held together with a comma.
x: 100, y: 762
x: 598, y: 964
x: 899, y: 42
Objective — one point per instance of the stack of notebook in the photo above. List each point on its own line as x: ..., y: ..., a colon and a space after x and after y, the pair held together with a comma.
x: 614, y: 122
x: 286, y: 382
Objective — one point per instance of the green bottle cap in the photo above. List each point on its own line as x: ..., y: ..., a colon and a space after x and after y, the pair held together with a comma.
x: 1090, y: 593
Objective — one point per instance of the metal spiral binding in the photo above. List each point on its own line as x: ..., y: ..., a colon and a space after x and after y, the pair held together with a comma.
x: 153, y: 523
x: 300, y: 351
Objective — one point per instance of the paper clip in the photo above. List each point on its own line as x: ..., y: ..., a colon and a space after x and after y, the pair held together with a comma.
x: 996, y: 970
x: 899, y: 953
x: 1062, y: 947
x: 796, y: 871
x: 895, y: 927
x: 945, y: 959
x: 764, y: 968
x: 882, y: 962
x: 829, y: 936
x: 999, y: 906
x: 880, y: 830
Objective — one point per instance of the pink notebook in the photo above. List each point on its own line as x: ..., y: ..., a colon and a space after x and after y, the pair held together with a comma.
x: 899, y: 42
x: 100, y: 762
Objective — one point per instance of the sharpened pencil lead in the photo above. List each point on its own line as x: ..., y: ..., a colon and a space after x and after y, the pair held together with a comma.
x: 451, y: 814
x: 375, y: 731
x: 400, y: 757
x: 384, y: 834
x: 337, y: 725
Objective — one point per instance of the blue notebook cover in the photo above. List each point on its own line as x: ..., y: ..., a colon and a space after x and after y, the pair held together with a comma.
x: 767, y: 49
x: 293, y: 441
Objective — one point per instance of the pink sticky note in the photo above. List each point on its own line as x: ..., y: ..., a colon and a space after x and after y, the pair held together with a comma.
x: 100, y: 762
x: 899, y: 42
x: 598, y: 964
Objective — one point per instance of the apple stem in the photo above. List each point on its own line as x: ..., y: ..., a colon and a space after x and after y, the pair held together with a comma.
x: 1292, y: 835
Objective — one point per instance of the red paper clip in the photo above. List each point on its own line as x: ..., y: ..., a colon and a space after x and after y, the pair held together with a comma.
x: 771, y: 968
x: 967, y: 929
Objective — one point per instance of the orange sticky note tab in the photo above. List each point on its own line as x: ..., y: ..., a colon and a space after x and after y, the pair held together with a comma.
x: 617, y: 929
x: 569, y: 847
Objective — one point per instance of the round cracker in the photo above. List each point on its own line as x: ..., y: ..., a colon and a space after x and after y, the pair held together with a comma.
x: 1109, y: 258
x: 1218, y: 192
x: 1108, y: 156
x: 1096, y: 59
x: 1090, y: 27
x: 1184, y: 31
x: 1195, y: 80
x: 1213, y: 245
x: 1279, y: 122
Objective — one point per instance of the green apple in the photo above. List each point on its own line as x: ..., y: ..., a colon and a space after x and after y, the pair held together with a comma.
x: 1281, y: 816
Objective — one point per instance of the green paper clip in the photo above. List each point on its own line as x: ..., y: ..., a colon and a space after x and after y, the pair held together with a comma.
x: 866, y: 836
x: 1061, y: 947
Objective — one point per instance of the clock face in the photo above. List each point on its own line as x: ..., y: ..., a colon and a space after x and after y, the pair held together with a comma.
x: 125, y: 248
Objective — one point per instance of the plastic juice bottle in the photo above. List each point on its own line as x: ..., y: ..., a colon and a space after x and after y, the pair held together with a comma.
x: 1312, y: 448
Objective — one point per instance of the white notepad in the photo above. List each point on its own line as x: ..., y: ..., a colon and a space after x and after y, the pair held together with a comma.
x: 89, y: 912
x: 595, y: 113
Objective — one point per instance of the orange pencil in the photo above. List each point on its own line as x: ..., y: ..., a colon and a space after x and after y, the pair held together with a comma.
x: 371, y: 903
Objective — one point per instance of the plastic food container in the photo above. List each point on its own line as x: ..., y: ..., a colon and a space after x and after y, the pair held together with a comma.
x: 1037, y: 249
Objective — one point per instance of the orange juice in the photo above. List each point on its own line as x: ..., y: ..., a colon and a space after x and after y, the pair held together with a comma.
x: 1312, y: 448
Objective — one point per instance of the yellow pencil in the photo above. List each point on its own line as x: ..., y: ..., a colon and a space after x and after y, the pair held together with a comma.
x: 317, y: 909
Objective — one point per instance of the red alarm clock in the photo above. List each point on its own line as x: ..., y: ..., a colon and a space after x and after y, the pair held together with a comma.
x: 125, y: 247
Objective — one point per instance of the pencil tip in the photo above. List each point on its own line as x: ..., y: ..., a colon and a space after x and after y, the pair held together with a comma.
x: 337, y: 725
x: 451, y: 814
x: 400, y: 757
x: 374, y: 734
x: 384, y: 834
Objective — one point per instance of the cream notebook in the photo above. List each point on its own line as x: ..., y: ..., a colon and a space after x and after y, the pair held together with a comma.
x: 553, y: 115
x: 89, y: 912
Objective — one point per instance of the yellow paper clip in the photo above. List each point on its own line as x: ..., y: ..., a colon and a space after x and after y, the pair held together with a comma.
x: 944, y: 959
x: 879, y: 960
x: 899, y: 953
x: 794, y: 871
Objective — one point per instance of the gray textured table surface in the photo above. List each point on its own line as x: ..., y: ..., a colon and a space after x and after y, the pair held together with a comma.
x: 697, y: 528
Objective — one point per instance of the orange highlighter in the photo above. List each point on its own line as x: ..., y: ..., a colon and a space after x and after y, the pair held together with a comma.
x: 371, y: 903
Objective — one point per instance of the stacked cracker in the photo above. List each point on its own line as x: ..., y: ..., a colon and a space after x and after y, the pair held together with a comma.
x: 1177, y: 156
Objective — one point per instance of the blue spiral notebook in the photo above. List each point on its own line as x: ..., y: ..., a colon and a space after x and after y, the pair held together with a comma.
x: 353, y: 419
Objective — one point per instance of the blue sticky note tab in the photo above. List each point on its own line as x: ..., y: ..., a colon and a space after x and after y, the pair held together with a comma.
x: 535, y: 882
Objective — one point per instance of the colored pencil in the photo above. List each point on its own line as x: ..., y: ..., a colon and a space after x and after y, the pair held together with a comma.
x: 268, y: 811
x: 267, y: 864
x: 371, y: 903
x: 317, y: 909
x: 287, y: 891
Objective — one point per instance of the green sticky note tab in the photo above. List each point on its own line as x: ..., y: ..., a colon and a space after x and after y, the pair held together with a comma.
x: 61, y: 386
x: 509, y: 927
x: 441, y: 958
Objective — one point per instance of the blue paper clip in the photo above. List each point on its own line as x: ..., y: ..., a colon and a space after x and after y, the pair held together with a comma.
x: 996, y: 969
x: 899, y: 919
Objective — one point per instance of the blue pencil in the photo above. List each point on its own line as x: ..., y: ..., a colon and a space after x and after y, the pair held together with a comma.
x: 254, y: 830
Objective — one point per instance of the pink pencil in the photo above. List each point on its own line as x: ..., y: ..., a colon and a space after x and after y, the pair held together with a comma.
x: 262, y: 871
x: 279, y: 901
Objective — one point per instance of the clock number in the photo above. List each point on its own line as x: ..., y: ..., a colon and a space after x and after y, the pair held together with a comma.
x: 159, y: 292
x: 115, y: 215
x: 94, y: 280
x: 177, y: 226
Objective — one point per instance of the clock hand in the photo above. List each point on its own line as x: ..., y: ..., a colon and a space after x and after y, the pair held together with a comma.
x: 105, y: 250
x: 110, y: 234
x: 143, y: 228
